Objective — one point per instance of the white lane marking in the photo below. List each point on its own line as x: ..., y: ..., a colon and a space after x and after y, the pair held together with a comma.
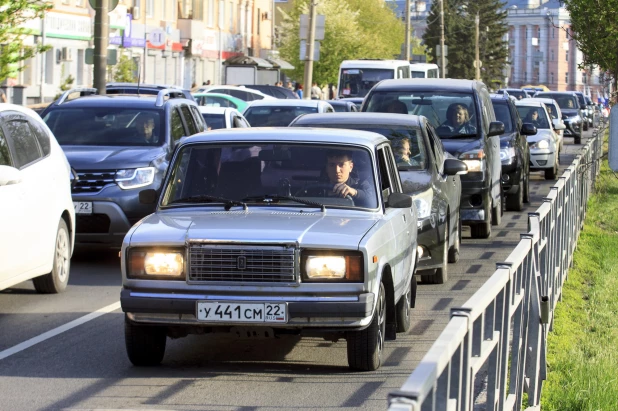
x: 59, y: 330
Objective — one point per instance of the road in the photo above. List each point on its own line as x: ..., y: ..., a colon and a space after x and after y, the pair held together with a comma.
x: 84, y: 366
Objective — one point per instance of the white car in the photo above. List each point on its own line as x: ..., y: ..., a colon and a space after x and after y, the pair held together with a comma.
x: 241, y: 92
x: 545, y: 144
x: 553, y: 109
x: 222, y: 117
x: 280, y: 113
x: 37, y: 214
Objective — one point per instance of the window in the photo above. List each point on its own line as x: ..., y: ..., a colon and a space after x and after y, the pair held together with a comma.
x: 186, y: 113
x: 553, y: 33
x: 566, y: 55
x: 566, y: 77
x: 552, y: 55
x: 198, y: 118
x: 178, y: 130
x: 231, y: 17
x: 198, y: 9
x: 551, y: 78
x: 259, y: 18
x: 5, y: 157
x: 164, y: 8
x: 385, y: 182
x: 525, y: 76
x: 25, y: 148
x: 150, y: 8
x: 221, y: 13
x: 211, y: 13
x: 42, y: 137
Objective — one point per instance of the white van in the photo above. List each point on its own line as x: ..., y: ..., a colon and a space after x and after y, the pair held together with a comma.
x: 423, y: 70
x: 357, y: 77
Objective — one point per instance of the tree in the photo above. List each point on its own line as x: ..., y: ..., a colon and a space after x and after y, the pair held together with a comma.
x: 594, y: 27
x: 459, y: 33
x: 124, y: 70
x: 13, y: 15
x: 351, y: 32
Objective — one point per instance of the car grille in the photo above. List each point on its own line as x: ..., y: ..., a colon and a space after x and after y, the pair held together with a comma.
x: 242, y: 263
x: 93, y: 181
x: 92, y: 224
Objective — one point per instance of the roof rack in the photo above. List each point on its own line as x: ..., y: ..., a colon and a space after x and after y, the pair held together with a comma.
x: 169, y: 92
x: 82, y: 92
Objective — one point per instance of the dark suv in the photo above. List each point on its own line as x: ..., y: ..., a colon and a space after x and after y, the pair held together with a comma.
x: 475, y: 140
x: 572, y: 114
x: 514, y: 152
x: 118, y: 146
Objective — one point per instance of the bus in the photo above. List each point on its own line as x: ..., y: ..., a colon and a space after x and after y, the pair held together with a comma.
x: 357, y: 77
x: 423, y: 70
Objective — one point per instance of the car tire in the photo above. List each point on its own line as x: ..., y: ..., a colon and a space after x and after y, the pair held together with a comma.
x: 527, y: 186
x: 551, y: 173
x: 365, y: 347
x: 145, y: 344
x: 496, y: 211
x: 578, y: 139
x: 404, y: 308
x: 453, y: 251
x: 58, y: 279
x: 515, y: 201
x: 481, y: 230
x: 585, y: 126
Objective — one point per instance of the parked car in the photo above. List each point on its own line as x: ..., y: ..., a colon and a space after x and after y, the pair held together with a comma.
x: 553, y: 109
x: 342, y: 106
x: 427, y: 174
x: 515, y: 92
x: 514, y: 152
x: 240, y: 92
x: 571, y: 112
x: 220, y: 117
x: 117, y: 145
x: 220, y: 100
x: 274, y: 91
x: 280, y: 113
x: 248, y: 233
x: 148, y: 89
x: 586, y: 110
x: 36, y: 211
x: 544, y: 145
x: 358, y: 101
x: 475, y: 140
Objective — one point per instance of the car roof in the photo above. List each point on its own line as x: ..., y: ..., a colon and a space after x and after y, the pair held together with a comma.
x: 570, y: 93
x: 286, y: 103
x: 426, y: 84
x: 144, y: 85
x: 215, y: 110
x: 529, y: 103
x: 222, y: 95
x: 545, y: 100
x: 300, y: 135
x: 115, y: 100
x: 358, y: 118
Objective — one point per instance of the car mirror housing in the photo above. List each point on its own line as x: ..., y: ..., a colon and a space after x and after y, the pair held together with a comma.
x: 454, y: 167
x: 558, y: 125
x: 399, y: 200
x: 148, y: 196
x: 9, y: 176
x: 528, y: 129
x: 496, y: 128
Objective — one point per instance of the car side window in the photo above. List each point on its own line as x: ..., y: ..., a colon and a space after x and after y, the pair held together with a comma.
x: 25, y: 147
x: 243, y: 95
x: 42, y: 137
x: 392, y: 169
x: 186, y: 113
x: 178, y: 130
x: 5, y: 156
x: 437, y: 151
x: 197, y: 117
x: 238, y: 123
x: 385, y: 179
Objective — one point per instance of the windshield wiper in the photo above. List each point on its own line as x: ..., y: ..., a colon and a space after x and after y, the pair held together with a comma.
x: 269, y: 198
x: 211, y: 199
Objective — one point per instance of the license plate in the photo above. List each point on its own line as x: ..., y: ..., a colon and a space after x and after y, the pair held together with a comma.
x: 82, y: 207
x: 242, y: 312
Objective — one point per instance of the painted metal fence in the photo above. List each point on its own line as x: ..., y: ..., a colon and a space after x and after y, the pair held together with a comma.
x: 499, y: 335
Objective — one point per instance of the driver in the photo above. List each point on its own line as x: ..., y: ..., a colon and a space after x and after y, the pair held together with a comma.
x: 458, y: 120
x: 145, y: 127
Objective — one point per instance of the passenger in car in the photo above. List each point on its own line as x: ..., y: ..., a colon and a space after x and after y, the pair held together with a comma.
x: 402, y: 151
x: 145, y: 127
x: 395, y: 106
x: 457, y: 121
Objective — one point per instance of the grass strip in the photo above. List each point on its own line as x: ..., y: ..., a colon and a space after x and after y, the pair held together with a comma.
x: 583, y: 347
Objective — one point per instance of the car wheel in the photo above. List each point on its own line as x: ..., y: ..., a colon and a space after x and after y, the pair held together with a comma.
x: 496, y: 211
x: 453, y: 252
x: 440, y: 274
x: 365, y: 347
x: 578, y: 139
x: 551, y: 173
x: 585, y: 126
x: 404, y: 309
x: 145, y: 344
x: 515, y: 201
x: 58, y: 279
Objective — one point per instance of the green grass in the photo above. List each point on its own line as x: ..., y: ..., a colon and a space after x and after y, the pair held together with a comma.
x: 583, y: 347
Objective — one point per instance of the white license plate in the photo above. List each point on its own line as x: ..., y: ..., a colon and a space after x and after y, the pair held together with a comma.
x: 82, y: 207
x: 242, y: 312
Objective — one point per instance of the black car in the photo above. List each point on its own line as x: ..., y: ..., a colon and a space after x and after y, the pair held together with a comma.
x: 342, y: 106
x: 514, y: 153
x: 275, y: 91
x: 427, y: 173
x: 572, y: 114
x: 358, y: 101
x: 515, y: 92
x: 118, y: 145
x: 463, y: 117
x: 146, y: 89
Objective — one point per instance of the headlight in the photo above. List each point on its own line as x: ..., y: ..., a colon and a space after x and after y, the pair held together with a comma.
x: 423, y: 202
x: 135, y: 177
x: 320, y: 266
x: 475, y: 160
x: 574, y: 119
x: 507, y: 154
x: 165, y: 264
x: 541, y: 144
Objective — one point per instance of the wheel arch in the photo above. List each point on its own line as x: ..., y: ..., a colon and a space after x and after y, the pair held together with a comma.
x: 389, y: 289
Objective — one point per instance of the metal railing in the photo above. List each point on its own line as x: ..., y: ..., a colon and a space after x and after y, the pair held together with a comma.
x: 499, y: 335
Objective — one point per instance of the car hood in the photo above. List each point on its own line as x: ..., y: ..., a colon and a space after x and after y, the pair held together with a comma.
x: 309, y: 229
x: 460, y: 145
x: 104, y: 158
x: 507, y: 140
x: 542, y: 133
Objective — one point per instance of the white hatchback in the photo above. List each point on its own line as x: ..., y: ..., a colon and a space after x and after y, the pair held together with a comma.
x: 36, y: 211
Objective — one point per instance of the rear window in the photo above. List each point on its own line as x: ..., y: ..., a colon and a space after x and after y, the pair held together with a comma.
x: 275, y: 116
x: 214, y: 121
x: 565, y: 101
x: 534, y: 115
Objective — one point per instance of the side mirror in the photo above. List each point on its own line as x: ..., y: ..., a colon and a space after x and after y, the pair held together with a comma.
x: 496, y: 128
x: 454, y: 167
x: 9, y: 176
x: 528, y: 129
x: 148, y: 196
x: 558, y: 124
x: 399, y: 200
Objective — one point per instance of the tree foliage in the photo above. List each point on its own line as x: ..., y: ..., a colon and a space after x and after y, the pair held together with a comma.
x: 13, y: 15
x: 124, y: 70
x: 594, y: 27
x: 459, y: 34
x: 353, y: 29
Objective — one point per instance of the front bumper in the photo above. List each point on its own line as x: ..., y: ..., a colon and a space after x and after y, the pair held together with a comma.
x: 511, y: 175
x: 430, y: 238
x: 542, y: 159
x: 475, y: 203
x: 351, y: 311
x: 572, y: 129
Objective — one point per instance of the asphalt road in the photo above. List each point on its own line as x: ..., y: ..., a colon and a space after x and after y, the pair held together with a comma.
x: 83, y: 365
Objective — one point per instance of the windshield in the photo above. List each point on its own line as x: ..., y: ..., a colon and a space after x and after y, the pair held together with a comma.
x: 534, y: 115
x: 503, y: 114
x: 358, y: 82
x: 214, y: 121
x: 565, y: 101
x: 314, y: 172
x: 551, y: 110
x: 275, y: 116
x: 452, y: 114
x: 107, y: 126
x: 518, y: 94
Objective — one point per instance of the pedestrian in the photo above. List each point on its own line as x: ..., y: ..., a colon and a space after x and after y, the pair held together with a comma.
x: 289, y: 86
x: 3, y: 98
x: 325, y: 92
x: 206, y: 83
x: 299, y: 90
x: 316, y: 93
